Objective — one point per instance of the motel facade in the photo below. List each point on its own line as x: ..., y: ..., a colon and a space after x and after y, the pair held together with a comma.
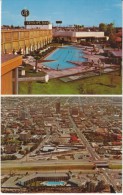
x: 24, y: 40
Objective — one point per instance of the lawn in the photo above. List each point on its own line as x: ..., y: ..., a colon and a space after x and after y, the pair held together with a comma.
x: 93, y: 85
x: 115, y: 166
x: 30, y: 72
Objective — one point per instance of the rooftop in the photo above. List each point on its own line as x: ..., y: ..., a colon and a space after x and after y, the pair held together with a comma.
x: 32, y: 176
x: 117, y: 53
x: 7, y: 57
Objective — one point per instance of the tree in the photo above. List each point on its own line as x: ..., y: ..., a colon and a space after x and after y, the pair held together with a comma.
x: 120, y: 69
x: 103, y: 27
x: 110, y: 29
x: 112, y: 40
x: 107, y: 28
x: 36, y: 62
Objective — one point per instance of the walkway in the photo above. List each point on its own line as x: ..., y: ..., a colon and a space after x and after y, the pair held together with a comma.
x: 70, y: 72
x: 75, y: 70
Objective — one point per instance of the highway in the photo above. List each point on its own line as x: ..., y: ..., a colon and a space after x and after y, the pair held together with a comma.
x: 43, y: 162
x: 25, y: 158
x: 95, y: 157
x: 43, y: 165
x: 110, y: 180
x: 26, y: 163
x: 84, y: 140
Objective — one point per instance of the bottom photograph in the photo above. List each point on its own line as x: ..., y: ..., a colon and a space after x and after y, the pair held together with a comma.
x: 61, y: 144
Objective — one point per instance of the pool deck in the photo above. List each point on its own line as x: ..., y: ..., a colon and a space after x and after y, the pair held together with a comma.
x: 74, y: 71
x: 80, y: 67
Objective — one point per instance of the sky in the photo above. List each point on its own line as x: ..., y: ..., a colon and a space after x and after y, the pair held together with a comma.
x: 81, y: 12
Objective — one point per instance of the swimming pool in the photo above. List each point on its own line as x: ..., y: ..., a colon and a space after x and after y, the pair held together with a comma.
x: 53, y: 183
x: 62, y: 55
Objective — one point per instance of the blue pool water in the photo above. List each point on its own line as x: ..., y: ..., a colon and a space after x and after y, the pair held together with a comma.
x: 62, y: 55
x: 54, y: 183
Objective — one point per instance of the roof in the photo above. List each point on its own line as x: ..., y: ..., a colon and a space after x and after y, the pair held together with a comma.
x: 119, y: 34
x: 117, y: 53
x: 45, y: 175
x: 10, y: 62
x: 47, y: 148
x: 74, y: 138
x: 10, y: 182
x: 21, y: 30
x: 118, y: 39
x: 24, y: 132
x: 7, y: 57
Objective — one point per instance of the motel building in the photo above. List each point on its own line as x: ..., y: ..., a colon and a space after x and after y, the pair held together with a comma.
x: 24, y: 40
x: 9, y: 73
x: 35, y: 36
x: 43, y: 178
x: 73, y: 36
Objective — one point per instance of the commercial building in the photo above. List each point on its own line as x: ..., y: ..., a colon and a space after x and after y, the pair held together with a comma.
x: 9, y: 72
x: 10, y: 148
x: 27, y: 180
x: 21, y: 41
x: 24, y: 40
x: 57, y: 107
x: 25, y: 136
x: 74, y: 111
x: 73, y: 36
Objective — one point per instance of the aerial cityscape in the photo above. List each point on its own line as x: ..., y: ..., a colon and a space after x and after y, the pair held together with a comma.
x: 46, y: 50
x: 61, y: 144
x: 61, y: 96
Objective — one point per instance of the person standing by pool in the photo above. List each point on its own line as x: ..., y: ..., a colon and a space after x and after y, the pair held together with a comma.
x: 92, y: 63
x: 58, y: 67
x: 99, y: 61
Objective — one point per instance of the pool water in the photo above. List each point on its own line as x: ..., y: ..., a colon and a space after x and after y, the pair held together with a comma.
x: 53, y: 183
x: 62, y: 55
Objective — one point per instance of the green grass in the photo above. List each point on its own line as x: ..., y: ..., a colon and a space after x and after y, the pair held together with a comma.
x: 30, y: 72
x: 84, y: 86
x: 50, y: 168
x: 113, y: 166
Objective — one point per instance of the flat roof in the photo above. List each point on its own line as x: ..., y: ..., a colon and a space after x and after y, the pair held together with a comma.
x: 117, y: 53
x: 7, y: 57
x: 10, y: 182
x: 22, y: 29
x: 32, y: 176
x: 10, y: 62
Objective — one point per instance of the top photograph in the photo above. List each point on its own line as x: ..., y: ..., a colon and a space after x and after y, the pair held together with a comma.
x: 59, y: 47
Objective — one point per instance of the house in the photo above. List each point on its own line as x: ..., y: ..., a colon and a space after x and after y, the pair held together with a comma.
x: 25, y: 136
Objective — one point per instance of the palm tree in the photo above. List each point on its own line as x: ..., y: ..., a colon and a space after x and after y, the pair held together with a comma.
x: 37, y: 58
x: 120, y: 69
